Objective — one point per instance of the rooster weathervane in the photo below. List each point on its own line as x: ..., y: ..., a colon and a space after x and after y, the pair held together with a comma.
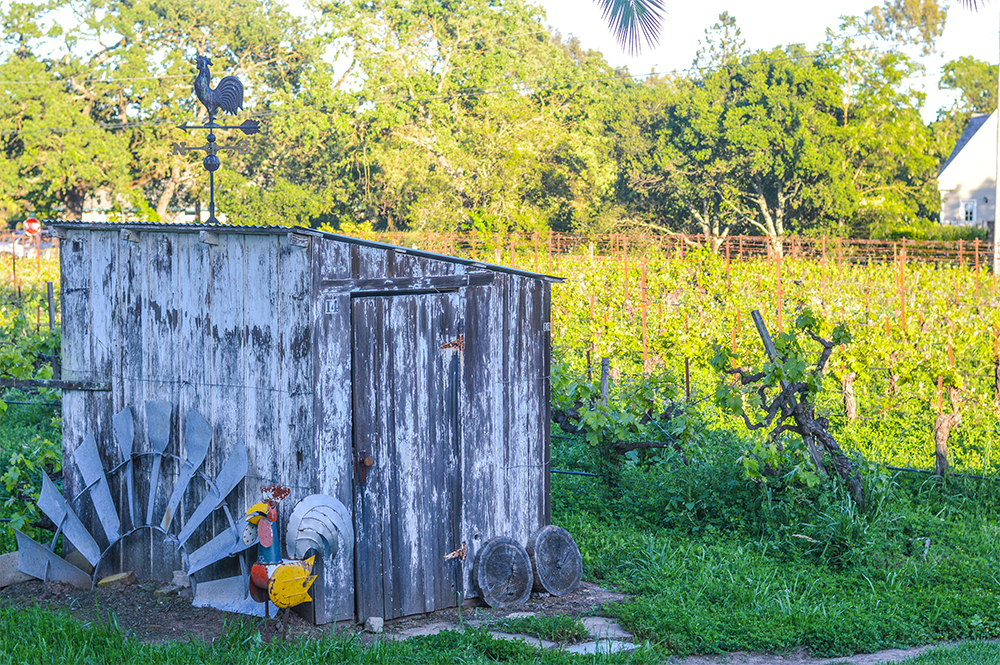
x: 227, y: 96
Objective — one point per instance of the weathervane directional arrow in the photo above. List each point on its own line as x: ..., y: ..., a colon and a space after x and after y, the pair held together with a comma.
x: 227, y: 96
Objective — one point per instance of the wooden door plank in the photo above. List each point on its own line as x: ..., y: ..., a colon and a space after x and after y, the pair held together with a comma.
x: 368, y: 514
x: 332, y: 434
x: 483, y: 514
x: 406, y: 407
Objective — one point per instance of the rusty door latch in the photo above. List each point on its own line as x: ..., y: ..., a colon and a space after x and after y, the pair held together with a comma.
x: 363, y: 461
x: 457, y: 554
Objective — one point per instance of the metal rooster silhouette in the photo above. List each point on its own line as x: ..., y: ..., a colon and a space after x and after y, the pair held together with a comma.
x: 227, y: 96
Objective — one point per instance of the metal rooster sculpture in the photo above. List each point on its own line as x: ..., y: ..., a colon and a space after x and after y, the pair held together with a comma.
x: 315, y: 525
x: 228, y: 95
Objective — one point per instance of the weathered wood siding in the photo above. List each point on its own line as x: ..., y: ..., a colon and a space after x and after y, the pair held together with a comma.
x: 502, y: 399
x: 223, y: 329
x: 257, y: 334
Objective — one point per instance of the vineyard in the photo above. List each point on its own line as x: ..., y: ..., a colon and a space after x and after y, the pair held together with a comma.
x: 922, y: 315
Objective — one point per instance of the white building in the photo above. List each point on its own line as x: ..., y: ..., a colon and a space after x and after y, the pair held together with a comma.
x: 967, y: 180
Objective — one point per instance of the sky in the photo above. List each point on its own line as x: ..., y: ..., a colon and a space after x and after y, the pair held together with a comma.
x: 766, y: 24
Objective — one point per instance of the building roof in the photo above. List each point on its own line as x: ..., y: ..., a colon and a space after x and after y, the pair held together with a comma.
x: 278, y: 230
x: 975, y: 124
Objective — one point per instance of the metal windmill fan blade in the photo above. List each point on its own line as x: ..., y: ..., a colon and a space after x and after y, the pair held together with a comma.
x: 198, y: 436
x: 88, y: 460
x: 124, y: 425
x: 52, y: 503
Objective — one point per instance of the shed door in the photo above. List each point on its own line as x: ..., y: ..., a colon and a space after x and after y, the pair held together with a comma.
x: 406, y: 508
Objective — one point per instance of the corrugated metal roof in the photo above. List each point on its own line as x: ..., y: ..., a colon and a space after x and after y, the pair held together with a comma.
x: 975, y: 124
x: 277, y: 230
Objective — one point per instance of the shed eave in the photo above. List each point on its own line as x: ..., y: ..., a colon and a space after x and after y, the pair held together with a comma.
x: 304, y: 230
x: 425, y: 254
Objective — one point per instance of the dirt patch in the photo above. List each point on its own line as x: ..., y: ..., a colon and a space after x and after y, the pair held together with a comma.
x: 150, y: 618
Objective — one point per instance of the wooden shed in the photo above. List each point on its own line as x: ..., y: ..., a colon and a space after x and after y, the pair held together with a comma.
x: 317, y: 350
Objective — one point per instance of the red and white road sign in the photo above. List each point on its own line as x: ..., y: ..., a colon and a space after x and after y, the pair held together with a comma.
x: 32, y: 226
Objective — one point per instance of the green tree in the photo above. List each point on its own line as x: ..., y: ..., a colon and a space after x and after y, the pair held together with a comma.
x: 125, y: 71
x: 974, y: 80
x: 472, y: 114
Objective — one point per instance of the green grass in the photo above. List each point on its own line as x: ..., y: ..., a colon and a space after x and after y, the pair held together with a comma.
x: 716, y: 564
x: 554, y: 629
x: 38, y: 636
x: 975, y: 653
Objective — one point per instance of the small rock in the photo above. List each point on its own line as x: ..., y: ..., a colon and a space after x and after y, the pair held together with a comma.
x: 123, y: 578
x: 521, y: 615
x: 181, y: 579
x: 78, y: 560
x: 9, y: 574
x: 374, y: 625
x: 169, y: 590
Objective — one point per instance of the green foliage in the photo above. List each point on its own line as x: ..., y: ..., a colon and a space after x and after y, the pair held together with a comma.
x: 975, y: 80
x: 449, y: 114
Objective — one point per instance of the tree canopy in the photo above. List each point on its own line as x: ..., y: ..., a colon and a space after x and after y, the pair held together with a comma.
x: 468, y: 114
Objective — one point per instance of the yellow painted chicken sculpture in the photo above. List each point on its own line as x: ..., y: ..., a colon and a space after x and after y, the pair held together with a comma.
x: 316, y: 524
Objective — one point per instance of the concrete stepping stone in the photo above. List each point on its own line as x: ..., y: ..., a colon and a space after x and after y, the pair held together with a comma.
x: 529, y: 639
x: 605, y: 628
x: 419, y: 631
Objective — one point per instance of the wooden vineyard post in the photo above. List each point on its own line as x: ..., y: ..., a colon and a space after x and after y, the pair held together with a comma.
x: 626, y: 278
x: 536, y: 250
x: 52, y: 309
x: 729, y: 281
x: 605, y: 379
x: 780, y: 293
x: 645, y: 337
x: 996, y: 364
x: 13, y: 268
x: 741, y: 248
x: 902, y: 289
x: 940, y: 389
x: 687, y: 362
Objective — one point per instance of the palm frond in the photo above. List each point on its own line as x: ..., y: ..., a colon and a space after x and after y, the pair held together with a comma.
x: 634, y: 21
